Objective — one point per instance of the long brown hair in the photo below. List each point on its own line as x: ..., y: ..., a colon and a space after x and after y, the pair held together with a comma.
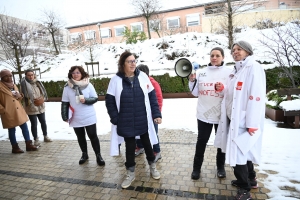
x: 121, y: 62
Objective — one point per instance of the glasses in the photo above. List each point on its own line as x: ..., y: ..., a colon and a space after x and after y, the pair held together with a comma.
x: 76, y: 73
x: 131, y: 61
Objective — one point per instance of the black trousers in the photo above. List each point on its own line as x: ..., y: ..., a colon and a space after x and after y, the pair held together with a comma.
x: 243, y: 173
x: 92, y: 134
x: 204, y: 131
x: 130, y: 149
x: 33, y: 121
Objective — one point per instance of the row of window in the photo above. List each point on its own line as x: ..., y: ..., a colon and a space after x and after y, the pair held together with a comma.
x: 172, y: 22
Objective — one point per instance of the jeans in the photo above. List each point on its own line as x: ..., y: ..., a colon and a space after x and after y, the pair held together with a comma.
x: 92, y: 134
x: 12, y: 133
x: 243, y: 173
x: 33, y: 120
x: 204, y: 131
x: 130, y: 149
x: 156, y: 147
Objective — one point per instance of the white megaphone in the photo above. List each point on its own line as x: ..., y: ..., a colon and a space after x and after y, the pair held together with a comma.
x: 184, y: 67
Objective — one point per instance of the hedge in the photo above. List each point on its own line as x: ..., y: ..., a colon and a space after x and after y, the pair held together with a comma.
x: 275, y: 77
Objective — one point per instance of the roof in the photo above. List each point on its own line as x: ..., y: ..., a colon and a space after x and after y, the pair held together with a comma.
x: 135, y: 16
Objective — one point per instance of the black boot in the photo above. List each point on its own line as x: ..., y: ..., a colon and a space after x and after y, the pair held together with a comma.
x: 196, y: 168
x: 100, y: 160
x: 83, y: 158
x: 220, y: 161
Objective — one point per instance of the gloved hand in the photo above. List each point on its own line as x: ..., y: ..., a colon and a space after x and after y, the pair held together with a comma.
x: 17, y: 95
x: 251, y: 131
x: 219, y: 86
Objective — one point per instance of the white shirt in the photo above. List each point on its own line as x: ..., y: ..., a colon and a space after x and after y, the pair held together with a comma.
x: 84, y: 115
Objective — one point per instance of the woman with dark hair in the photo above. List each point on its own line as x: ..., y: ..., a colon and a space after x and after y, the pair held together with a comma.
x: 132, y: 106
x: 34, y: 96
x: 77, y: 108
x: 202, y: 86
x: 139, y: 146
x: 242, y: 118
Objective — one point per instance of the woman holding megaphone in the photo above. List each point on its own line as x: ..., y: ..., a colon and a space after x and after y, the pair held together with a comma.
x: 202, y: 85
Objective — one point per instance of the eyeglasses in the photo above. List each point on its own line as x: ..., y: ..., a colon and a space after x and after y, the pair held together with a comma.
x: 76, y: 73
x: 131, y: 61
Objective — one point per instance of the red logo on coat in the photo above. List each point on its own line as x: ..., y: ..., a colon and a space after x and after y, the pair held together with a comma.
x: 239, y: 85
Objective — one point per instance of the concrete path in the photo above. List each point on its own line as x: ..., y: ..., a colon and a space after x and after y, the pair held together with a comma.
x: 53, y: 172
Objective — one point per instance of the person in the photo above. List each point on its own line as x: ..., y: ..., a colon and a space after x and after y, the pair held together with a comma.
x: 139, y: 146
x: 132, y: 105
x: 33, y: 91
x: 201, y: 84
x: 242, y: 117
x: 77, y: 108
x: 12, y: 112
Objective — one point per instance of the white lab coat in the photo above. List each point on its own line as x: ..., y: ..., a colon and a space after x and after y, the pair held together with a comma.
x: 115, y: 88
x: 248, y: 111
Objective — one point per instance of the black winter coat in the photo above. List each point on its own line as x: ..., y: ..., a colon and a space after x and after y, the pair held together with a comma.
x: 131, y: 119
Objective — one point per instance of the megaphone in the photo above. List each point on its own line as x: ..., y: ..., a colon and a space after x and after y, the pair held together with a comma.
x: 184, y: 67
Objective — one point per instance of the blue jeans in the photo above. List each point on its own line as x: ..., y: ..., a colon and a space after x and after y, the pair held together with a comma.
x: 12, y: 133
x: 156, y: 147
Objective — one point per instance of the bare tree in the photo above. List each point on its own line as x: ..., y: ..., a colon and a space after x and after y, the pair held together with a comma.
x: 147, y: 9
x: 229, y: 10
x: 284, y: 48
x: 15, y: 36
x: 52, y: 22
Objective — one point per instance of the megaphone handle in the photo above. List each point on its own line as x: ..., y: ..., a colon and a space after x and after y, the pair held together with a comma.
x: 182, y: 79
x: 195, y: 82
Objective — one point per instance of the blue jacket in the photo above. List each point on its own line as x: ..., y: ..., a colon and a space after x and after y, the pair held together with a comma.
x: 131, y: 119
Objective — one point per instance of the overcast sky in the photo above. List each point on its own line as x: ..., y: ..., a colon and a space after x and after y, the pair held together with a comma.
x: 75, y: 12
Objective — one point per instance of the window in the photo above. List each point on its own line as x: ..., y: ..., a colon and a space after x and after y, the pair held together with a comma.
x: 193, y: 19
x: 75, y: 37
x: 89, y: 35
x: 137, y: 27
x: 119, y: 30
x: 105, y: 33
x: 173, y: 22
x: 154, y: 25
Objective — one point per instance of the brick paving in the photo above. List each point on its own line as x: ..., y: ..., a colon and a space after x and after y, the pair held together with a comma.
x: 53, y: 172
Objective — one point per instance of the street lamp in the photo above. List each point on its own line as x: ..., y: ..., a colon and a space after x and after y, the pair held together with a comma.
x: 99, y: 25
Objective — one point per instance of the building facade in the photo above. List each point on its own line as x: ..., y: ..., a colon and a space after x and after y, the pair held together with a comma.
x: 196, y: 18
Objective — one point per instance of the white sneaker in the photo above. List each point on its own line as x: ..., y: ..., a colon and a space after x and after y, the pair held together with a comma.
x: 129, y: 179
x: 47, y: 139
x: 154, y: 173
x: 37, y: 142
x: 139, y: 151
x: 157, y: 157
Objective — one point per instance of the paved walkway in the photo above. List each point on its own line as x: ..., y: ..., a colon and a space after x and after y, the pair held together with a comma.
x: 53, y: 172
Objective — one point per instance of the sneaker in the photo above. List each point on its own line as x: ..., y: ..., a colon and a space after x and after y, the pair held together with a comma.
x: 154, y: 173
x: 157, y: 156
x: 129, y: 179
x: 243, y: 194
x: 47, y: 139
x: 221, y: 173
x: 139, y: 151
x: 253, y: 183
x: 195, y: 175
x: 37, y: 142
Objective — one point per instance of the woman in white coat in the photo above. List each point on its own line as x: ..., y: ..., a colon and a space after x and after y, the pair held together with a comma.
x: 240, y: 129
x: 201, y: 85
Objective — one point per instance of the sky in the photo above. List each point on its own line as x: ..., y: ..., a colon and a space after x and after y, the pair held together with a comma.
x: 75, y: 12
x: 280, y: 151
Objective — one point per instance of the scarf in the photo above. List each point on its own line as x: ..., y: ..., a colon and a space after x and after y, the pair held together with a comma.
x: 78, y: 86
x: 26, y: 89
x: 9, y: 85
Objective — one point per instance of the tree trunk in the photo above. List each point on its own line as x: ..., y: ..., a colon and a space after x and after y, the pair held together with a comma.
x: 19, y: 67
x: 148, y: 27
x: 230, y: 25
x: 54, y: 43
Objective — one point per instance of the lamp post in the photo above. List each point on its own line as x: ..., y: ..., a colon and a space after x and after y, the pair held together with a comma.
x: 99, y: 25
